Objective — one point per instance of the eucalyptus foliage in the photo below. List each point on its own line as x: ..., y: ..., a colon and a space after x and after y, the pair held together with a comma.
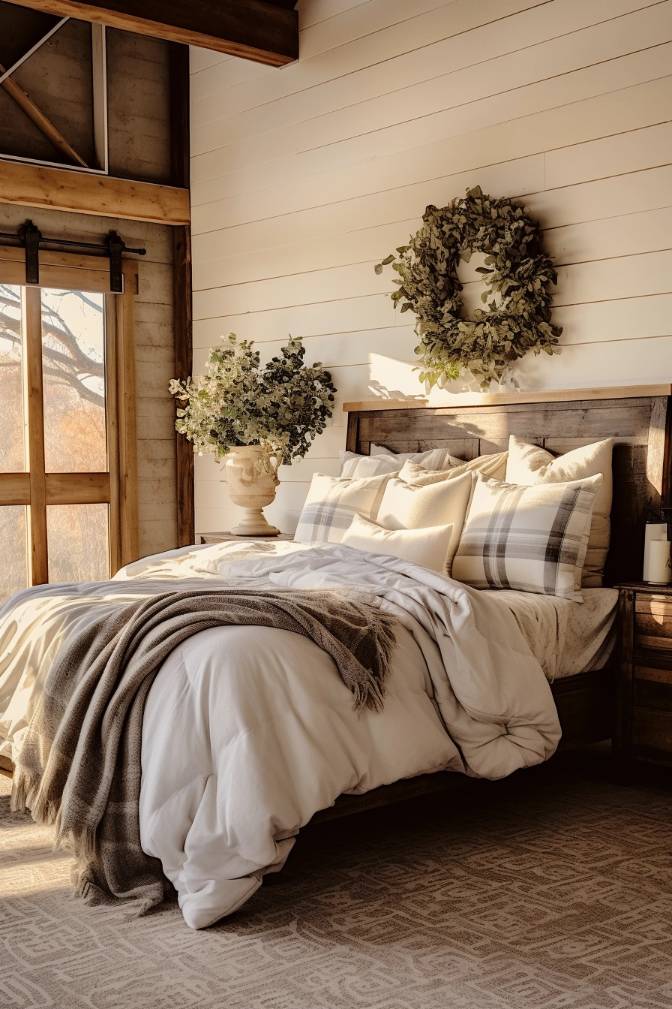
x: 516, y: 269
x: 281, y: 406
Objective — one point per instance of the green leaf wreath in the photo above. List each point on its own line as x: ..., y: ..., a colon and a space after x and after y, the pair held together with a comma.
x: 516, y: 268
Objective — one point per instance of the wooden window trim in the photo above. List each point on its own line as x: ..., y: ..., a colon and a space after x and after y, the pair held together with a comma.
x: 119, y: 486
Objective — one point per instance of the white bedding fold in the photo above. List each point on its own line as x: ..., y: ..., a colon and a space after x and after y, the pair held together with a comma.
x: 249, y: 731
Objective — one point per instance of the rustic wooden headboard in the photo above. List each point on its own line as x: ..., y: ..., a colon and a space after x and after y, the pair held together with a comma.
x: 638, y: 417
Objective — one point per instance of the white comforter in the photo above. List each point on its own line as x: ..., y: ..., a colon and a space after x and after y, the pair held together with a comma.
x: 249, y: 731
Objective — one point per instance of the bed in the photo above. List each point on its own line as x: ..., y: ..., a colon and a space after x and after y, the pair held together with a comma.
x: 234, y: 765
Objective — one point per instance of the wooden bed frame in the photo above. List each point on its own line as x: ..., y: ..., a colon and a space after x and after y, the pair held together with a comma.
x: 639, y: 418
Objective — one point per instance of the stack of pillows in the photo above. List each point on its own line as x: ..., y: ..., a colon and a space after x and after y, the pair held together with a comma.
x: 522, y: 519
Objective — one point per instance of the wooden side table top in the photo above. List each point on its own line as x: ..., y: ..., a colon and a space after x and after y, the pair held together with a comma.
x: 652, y: 588
x: 230, y: 538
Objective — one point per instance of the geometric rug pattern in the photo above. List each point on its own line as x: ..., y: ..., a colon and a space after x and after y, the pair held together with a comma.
x: 551, y: 890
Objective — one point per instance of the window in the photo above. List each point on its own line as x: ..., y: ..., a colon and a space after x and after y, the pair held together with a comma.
x: 67, y: 429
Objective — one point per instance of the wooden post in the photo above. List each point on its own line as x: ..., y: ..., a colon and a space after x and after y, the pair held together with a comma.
x: 182, y: 290
x: 34, y: 419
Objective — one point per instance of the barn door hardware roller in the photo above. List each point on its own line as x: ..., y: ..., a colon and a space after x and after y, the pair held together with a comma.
x: 30, y: 238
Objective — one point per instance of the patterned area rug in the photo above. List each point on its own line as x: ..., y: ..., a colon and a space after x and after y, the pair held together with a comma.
x: 553, y: 890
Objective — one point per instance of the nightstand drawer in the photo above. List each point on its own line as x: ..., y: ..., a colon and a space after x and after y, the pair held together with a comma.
x: 652, y: 668
x: 652, y: 732
x: 653, y: 622
x: 645, y: 697
x: 653, y: 694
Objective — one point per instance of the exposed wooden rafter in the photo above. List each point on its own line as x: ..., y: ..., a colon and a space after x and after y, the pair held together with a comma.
x: 100, y: 195
x: 256, y: 30
x: 38, y: 117
x: 26, y: 41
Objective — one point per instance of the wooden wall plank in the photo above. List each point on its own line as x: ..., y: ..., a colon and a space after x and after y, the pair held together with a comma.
x: 381, y: 46
x: 358, y: 233
x: 474, y: 84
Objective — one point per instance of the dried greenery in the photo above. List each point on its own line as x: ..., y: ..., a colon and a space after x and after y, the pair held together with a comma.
x: 518, y: 275
x: 281, y: 406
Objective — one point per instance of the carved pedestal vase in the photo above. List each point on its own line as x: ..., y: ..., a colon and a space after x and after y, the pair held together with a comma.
x: 251, y: 475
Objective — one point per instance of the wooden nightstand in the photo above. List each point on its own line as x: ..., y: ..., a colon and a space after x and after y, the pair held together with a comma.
x: 645, y: 694
x: 230, y: 538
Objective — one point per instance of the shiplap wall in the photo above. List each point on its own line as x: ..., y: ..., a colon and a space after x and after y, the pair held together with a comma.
x: 302, y: 178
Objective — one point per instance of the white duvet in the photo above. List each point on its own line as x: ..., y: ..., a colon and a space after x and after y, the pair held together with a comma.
x: 248, y: 732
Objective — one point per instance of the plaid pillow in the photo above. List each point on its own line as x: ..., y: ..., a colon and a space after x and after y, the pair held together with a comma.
x: 531, y: 464
x: 528, y: 538
x: 333, y: 502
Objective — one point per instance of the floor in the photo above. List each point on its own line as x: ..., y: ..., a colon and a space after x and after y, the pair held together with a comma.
x: 552, y: 889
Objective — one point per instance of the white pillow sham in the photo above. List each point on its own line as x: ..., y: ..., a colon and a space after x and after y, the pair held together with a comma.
x: 488, y: 465
x: 433, y: 458
x: 428, y: 547
x: 529, y: 538
x: 356, y: 466
x: 331, y: 504
x: 530, y: 464
x: 404, y: 506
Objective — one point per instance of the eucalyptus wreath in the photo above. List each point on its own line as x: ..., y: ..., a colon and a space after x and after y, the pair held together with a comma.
x: 518, y: 275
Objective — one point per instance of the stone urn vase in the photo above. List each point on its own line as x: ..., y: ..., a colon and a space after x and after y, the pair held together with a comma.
x: 252, y: 478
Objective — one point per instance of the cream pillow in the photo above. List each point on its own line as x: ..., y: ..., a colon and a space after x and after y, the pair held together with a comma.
x: 407, y: 507
x: 488, y: 465
x: 529, y: 464
x: 528, y: 538
x: 331, y: 504
x: 356, y: 466
x: 428, y: 547
x: 433, y: 458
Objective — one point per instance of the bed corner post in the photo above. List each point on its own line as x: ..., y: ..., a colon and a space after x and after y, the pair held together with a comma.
x: 352, y: 437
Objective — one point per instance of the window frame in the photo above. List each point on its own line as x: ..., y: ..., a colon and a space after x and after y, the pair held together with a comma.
x: 118, y: 485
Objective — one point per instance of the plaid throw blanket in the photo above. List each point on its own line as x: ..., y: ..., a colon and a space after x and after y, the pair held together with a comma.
x: 80, y: 765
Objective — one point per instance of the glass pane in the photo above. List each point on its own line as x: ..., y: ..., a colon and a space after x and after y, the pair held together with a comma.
x: 12, y: 456
x: 73, y: 363
x: 78, y: 543
x: 13, y: 550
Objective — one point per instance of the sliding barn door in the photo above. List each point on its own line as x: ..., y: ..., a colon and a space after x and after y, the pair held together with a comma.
x: 67, y: 427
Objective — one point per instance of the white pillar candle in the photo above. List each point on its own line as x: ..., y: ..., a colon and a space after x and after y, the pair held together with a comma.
x: 657, y: 563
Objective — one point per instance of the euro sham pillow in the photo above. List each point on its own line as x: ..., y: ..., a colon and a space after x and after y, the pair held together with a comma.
x: 432, y: 459
x: 530, y: 464
x: 428, y: 547
x: 445, y: 503
x: 356, y: 466
x: 488, y: 465
x: 332, y: 503
x: 529, y: 538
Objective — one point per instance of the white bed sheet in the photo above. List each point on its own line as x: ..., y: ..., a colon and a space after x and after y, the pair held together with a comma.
x: 565, y: 637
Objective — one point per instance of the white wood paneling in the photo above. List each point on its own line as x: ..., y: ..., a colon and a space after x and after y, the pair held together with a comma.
x: 304, y: 178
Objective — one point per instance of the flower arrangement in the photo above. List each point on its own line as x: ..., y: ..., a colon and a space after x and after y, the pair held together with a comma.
x: 280, y: 407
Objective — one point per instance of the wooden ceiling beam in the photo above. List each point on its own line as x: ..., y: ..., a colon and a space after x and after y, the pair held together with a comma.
x: 252, y: 29
x: 81, y: 193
